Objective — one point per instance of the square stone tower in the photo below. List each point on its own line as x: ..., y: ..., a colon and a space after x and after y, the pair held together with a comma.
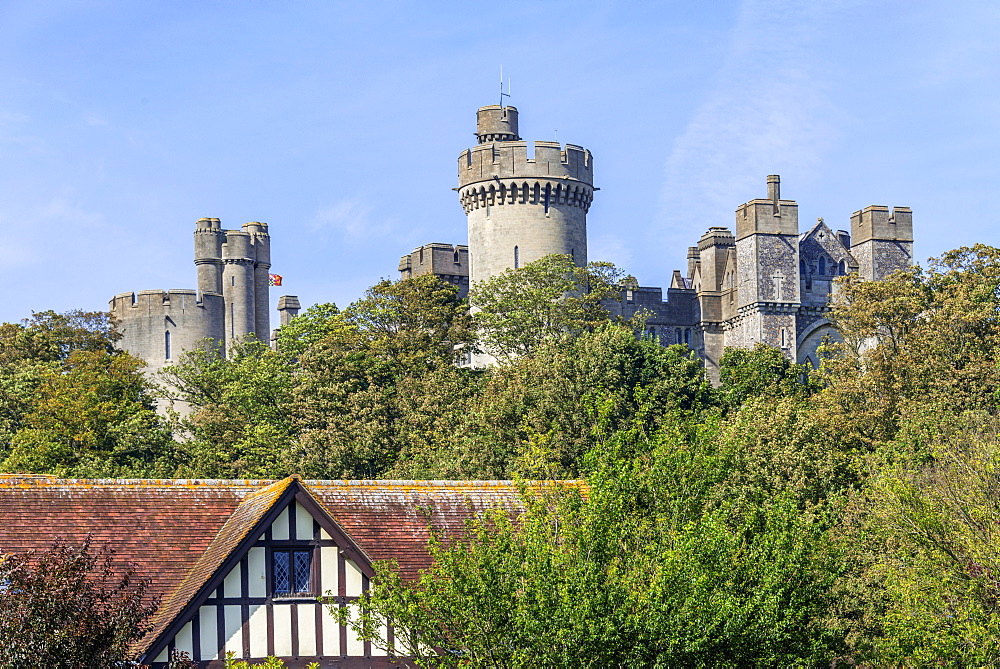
x: 882, y: 242
x: 767, y: 272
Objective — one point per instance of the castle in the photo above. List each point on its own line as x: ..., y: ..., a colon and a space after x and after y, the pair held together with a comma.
x: 768, y: 283
x: 230, y: 303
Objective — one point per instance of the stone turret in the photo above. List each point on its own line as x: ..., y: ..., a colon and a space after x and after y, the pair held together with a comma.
x: 882, y: 242
x: 208, y: 240
x: 522, y: 208
x: 231, y: 300
x: 496, y: 124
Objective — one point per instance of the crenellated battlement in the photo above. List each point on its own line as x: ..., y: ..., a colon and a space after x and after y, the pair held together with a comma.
x: 544, y: 192
x: 877, y: 222
x: 146, y: 303
x: 509, y: 160
x: 159, y: 325
x: 523, y: 201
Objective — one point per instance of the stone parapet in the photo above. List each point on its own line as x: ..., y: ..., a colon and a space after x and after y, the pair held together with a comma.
x: 509, y: 160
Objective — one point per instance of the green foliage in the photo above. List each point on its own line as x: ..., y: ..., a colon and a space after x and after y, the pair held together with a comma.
x: 240, y: 426
x: 926, y: 543
x: 270, y: 663
x: 763, y: 371
x: 70, y: 607
x: 35, y: 349
x: 537, y: 415
x: 91, y: 416
x: 788, y: 517
x: 391, y: 354
x: 919, y: 336
x: 651, y: 567
x: 546, y: 299
x: 49, y: 337
x: 309, y: 327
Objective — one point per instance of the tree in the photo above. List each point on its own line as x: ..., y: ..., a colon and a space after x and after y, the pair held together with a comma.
x: 240, y: 425
x: 413, y: 324
x: 649, y: 567
x: 309, y: 327
x: 763, y: 371
x: 34, y: 349
x: 917, y: 338
x: 537, y: 415
x: 924, y: 537
x: 70, y: 607
x: 354, y: 395
x: 92, y: 416
x: 48, y: 336
x: 545, y: 299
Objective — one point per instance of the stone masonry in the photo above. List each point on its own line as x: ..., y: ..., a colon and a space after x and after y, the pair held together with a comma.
x: 767, y: 284
x: 231, y: 301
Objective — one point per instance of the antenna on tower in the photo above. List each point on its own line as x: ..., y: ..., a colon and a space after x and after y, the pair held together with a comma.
x: 502, y: 94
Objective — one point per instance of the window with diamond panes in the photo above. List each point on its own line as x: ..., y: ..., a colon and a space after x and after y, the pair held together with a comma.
x: 292, y: 572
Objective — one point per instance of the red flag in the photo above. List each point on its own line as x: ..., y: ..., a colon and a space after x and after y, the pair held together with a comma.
x: 274, y: 279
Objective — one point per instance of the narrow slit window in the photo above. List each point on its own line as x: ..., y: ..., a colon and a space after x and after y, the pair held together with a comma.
x: 166, y: 344
x: 517, y: 258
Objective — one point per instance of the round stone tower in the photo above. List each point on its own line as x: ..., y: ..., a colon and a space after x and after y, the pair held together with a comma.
x: 521, y: 208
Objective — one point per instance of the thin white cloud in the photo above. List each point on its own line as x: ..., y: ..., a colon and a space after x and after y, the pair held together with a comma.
x: 765, y: 112
x: 63, y: 213
x: 610, y: 248
x: 27, y: 231
x: 351, y: 218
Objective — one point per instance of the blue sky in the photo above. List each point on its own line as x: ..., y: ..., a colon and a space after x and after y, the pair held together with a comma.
x: 340, y: 124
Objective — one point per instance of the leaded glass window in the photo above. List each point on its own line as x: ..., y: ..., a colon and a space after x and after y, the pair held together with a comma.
x: 292, y: 572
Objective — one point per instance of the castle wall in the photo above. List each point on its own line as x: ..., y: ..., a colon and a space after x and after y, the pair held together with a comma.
x: 504, y: 235
x: 158, y: 326
x: 765, y: 284
x: 448, y: 262
x: 231, y: 301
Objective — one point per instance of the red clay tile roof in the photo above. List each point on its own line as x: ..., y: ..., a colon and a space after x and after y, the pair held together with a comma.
x: 248, y: 514
x: 390, y: 519
x: 180, y: 531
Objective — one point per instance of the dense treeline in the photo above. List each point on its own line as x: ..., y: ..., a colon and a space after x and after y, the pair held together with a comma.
x: 788, y: 516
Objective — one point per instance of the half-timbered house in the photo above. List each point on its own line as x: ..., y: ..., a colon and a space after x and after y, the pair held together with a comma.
x: 238, y: 565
